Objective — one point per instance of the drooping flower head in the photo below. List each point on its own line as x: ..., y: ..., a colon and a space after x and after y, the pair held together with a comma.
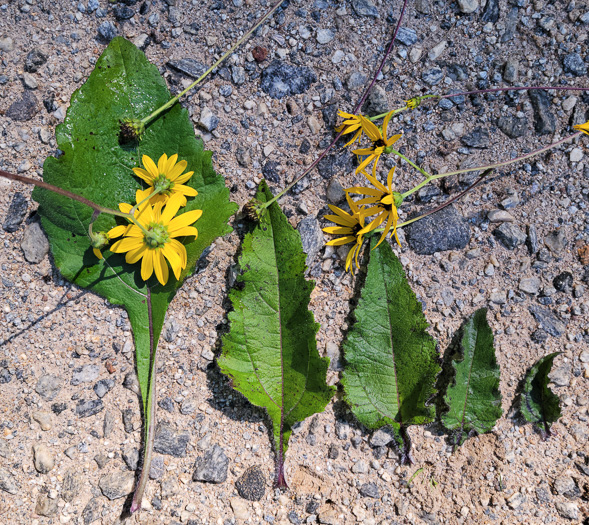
x: 583, y: 127
x: 350, y: 124
x: 155, y: 242
x: 167, y: 177
x: 380, y: 142
x: 350, y: 226
x: 383, y: 202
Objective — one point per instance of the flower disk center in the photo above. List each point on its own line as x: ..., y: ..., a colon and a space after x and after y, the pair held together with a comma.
x: 162, y: 184
x: 157, y: 235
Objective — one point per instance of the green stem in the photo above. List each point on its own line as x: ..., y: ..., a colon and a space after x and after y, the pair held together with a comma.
x: 134, y: 208
x: 493, y: 166
x: 172, y: 101
x: 411, y: 163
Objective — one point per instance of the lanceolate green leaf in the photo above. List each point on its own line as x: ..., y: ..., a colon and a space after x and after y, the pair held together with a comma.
x: 391, y: 360
x: 270, y: 352
x: 538, y: 404
x: 473, y: 398
x: 95, y: 165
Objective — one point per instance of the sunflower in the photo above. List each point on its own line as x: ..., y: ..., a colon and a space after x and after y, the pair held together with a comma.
x: 385, y: 202
x: 351, y: 123
x: 350, y: 226
x: 380, y: 142
x: 166, y: 177
x: 155, y: 241
x: 583, y: 127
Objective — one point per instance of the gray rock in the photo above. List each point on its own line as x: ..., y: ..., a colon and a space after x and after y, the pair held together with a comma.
x: 35, y: 59
x: 568, y: 510
x: 6, y: 44
x: 544, y: 121
x: 511, y: 70
x: 565, y: 486
x: 35, y: 245
x: 530, y: 285
x: 280, y: 79
x: 208, y: 120
x: 478, y: 138
x: 332, y: 165
x: 101, y: 460
x: 563, y: 282
x: 107, y: 30
x: 46, y: 506
x: 48, y: 387
x: 332, y: 351
x: 547, y: 320
x: 243, y: 157
x: 103, y: 387
x: 123, y: 12
x: 341, y: 430
x: 270, y: 170
x: 131, y: 382
x: 369, y: 490
x: 407, y: 36
x: 513, y: 127
x: 491, y: 11
x: 170, y: 442
x: 324, y: 36
x: 251, y: 485
x: 335, y: 192
x: 383, y: 436
x: 108, y: 423
x: 428, y: 193
x: 532, y: 239
x: 364, y: 8
x: 188, y: 66
x: 426, y: 237
x: 509, y: 235
x: 157, y: 468
x: 432, y: 77
x: 24, y: 108
x: 85, y: 374
x: 356, y: 80
x: 311, y: 237
x: 117, y: 485
x: 360, y: 467
x: 128, y: 420
x: 561, y: 376
x: 71, y: 485
x: 17, y: 211
x: 376, y: 103
x: 238, y: 75
x: 130, y: 456
x: 188, y: 407
x: 8, y: 482
x: 92, y: 511
x: 43, y: 458
x: 468, y: 6
x: 423, y: 7
x: 556, y: 241
x: 573, y: 64
x: 5, y: 449
x: 89, y: 408
x: 496, y: 216
x: 212, y: 466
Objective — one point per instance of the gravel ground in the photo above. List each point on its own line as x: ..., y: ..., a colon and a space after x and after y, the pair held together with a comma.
x: 69, y: 411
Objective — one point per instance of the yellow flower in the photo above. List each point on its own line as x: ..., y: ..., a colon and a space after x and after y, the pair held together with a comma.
x: 412, y: 103
x: 385, y: 202
x: 583, y: 127
x: 166, y: 177
x: 349, y: 226
x: 98, y: 240
x: 156, y: 240
x: 351, y: 123
x: 380, y: 142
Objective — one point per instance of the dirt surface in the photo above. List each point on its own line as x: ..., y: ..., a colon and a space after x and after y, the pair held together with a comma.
x: 55, y: 465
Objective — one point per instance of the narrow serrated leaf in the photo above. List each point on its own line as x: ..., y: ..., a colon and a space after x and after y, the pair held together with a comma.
x: 391, y: 360
x: 473, y: 398
x: 270, y: 352
x: 538, y: 404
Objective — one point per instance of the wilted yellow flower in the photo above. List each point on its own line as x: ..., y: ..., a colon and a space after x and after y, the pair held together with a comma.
x: 351, y: 123
x: 384, y: 201
x: 379, y: 142
x: 166, y: 177
x: 412, y: 103
x: 155, y: 241
x: 349, y: 225
x: 583, y: 127
x: 98, y: 240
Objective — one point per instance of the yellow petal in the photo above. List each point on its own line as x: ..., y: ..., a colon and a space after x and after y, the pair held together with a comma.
x: 160, y: 266
x: 162, y: 163
x: 342, y: 221
x: 341, y: 241
x: 147, y: 264
x: 338, y: 230
x: 385, y: 231
x: 385, y: 124
x: 187, y: 231
x: 175, y: 171
x: 390, y: 179
x: 126, y: 244
x: 186, y: 219
x: 370, y: 129
x: 150, y: 166
x: 97, y: 252
x: 180, y: 250
x: 172, y: 207
x: 393, y: 139
x: 170, y: 165
x: 185, y: 190
x: 174, y: 259
x: 183, y: 178
x: 117, y: 231
x: 124, y: 207
x: 143, y: 174
x: 583, y: 127
x: 134, y: 255
x: 364, y: 190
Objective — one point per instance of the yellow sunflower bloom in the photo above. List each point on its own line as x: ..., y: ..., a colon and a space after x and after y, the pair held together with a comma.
x: 384, y: 201
x: 351, y: 123
x: 349, y: 225
x: 380, y: 142
x: 583, y: 127
x: 155, y: 241
x: 167, y: 177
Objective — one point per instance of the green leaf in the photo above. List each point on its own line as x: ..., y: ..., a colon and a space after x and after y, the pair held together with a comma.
x: 391, y: 360
x: 473, y: 399
x: 538, y: 404
x: 96, y: 166
x: 270, y: 352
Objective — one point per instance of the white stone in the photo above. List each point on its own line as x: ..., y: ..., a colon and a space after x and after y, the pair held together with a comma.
x: 468, y: 6
x: 576, y: 155
x: 437, y: 50
x: 569, y: 103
